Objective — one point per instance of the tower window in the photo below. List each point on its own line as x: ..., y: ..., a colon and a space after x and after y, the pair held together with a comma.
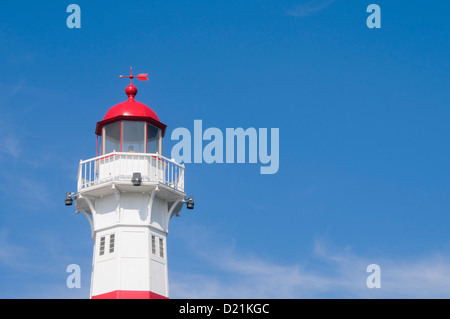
x: 102, y: 246
x: 112, y: 238
x: 153, y: 245
x: 161, y: 248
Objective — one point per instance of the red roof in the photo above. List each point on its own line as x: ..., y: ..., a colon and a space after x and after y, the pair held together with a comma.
x: 130, y: 110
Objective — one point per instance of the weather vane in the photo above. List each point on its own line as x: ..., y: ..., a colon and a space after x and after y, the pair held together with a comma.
x: 141, y: 77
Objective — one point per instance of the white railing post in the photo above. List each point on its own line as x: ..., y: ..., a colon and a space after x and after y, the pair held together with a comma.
x: 79, y: 175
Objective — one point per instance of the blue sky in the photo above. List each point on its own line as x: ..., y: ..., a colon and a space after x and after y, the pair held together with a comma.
x: 364, y: 159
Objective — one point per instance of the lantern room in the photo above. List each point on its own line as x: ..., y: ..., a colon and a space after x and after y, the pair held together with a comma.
x: 130, y: 126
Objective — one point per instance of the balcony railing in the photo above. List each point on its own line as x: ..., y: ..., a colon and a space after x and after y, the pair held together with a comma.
x: 120, y: 166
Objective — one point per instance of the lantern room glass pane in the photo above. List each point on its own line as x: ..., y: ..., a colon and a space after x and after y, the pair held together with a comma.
x: 153, y: 139
x: 133, y: 136
x: 112, y: 138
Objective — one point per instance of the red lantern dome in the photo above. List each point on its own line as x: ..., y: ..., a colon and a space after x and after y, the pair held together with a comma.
x: 130, y: 126
x: 130, y: 110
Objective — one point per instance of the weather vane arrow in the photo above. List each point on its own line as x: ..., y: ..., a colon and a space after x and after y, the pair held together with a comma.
x: 141, y: 77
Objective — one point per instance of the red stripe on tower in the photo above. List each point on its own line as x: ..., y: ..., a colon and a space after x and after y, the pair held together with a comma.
x: 129, y: 294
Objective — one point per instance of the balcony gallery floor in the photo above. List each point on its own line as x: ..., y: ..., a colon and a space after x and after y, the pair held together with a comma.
x: 109, y: 188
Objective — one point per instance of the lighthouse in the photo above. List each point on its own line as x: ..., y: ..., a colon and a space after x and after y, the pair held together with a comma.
x: 129, y: 192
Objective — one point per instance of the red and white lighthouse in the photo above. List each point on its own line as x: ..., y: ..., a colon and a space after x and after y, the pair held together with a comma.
x: 129, y: 192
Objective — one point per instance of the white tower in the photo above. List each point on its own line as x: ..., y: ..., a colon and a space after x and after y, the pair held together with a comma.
x: 129, y: 192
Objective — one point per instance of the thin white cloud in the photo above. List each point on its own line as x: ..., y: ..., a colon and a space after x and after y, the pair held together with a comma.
x: 308, y: 8
x: 10, y: 254
x: 324, y: 275
x: 10, y: 90
x: 10, y: 146
x: 33, y: 277
x: 9, y: 140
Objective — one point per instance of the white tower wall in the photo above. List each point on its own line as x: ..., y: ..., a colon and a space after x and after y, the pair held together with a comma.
x: 129, y: 227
